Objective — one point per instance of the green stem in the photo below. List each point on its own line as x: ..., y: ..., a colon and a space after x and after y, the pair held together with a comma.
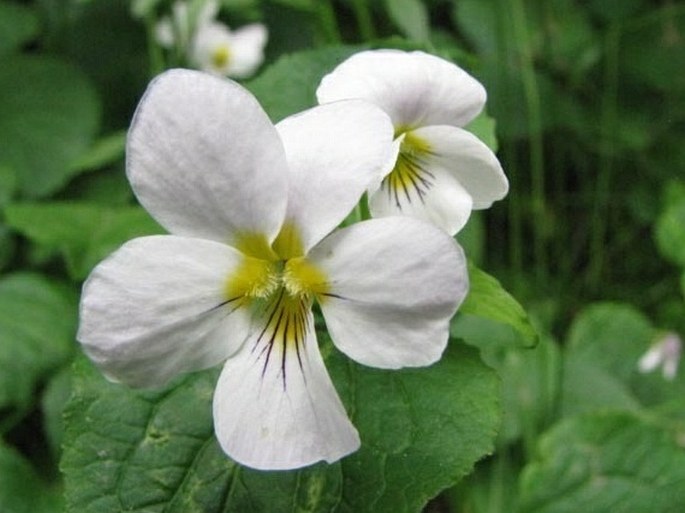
x: 608, y: 121
x: 532, y: 99
x: 496, y: 501
x: 328, y: 22
x: 509, y: 154
x: 515, y: 215
x: 154, y: 51
x: 364, y: 20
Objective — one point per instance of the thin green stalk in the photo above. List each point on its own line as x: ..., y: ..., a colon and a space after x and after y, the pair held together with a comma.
x: 364, y: 20
x: 327, y: 21
x: 509, y: 155
x: 154, y: 51
x: 496, y: 497
x: 537, y: 164
x: 515, y: 214
x: 608, y: 127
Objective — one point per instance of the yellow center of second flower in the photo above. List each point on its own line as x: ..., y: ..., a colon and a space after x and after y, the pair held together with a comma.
x: 221, y: 56
x: 410, y: 179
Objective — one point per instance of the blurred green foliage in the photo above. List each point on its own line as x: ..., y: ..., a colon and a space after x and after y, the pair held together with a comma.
x: 586, y: 106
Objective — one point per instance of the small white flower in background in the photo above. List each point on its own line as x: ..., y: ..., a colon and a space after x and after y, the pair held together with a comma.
x: 664, y: 353
x: 442, y: 171
x: 210, y: 45
x: 238, y: 54
x: 252, y: 210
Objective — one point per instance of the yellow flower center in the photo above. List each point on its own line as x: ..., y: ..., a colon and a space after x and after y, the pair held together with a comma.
x: 221, y: 56
x: 278, y: 284
x: 410, y: 179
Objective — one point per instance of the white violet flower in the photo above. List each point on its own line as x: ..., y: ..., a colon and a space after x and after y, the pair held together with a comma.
x: 442, y: 171
x: 217, y: 49
x: 210, y: 45
x: 252, y: 210
x: 664, y: 353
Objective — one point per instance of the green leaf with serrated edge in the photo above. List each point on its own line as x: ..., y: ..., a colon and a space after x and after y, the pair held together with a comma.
x: 411, y: 17
x: 50, y: 113
x: 84, y: 232
x: 37, y: 328
x: 488, y: 299
x: 106, y: 150
x: 21, y: 490
x: 425, y: 434
x: 421, y: 431
x: 18, y: 25
x: 605, y: 463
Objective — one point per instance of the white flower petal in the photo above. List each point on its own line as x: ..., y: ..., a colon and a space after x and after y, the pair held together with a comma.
x: 334, y: 152
x: 394, y: 285
x: 274, y: 413
x: 469, y: 160
x: 414, y: 88
x: 157, y: 307
x: 651, y: 359
x: 440, y: 200
x: 204, y: 159
x: 247, y: 50
x: 670, y: 368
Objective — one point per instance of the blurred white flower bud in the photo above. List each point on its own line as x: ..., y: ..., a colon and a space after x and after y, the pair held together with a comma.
x: 664, y: 353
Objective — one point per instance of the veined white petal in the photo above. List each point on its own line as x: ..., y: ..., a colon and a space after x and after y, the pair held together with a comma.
x: 469, y: 160
x: 204, y: 159
x: 395, y: 283
x: 275, y: 408
x: 157, y: 307
x: 247, y: 50
x: 334, y: 152
x: 432, y: 195
x: 414, y: 88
